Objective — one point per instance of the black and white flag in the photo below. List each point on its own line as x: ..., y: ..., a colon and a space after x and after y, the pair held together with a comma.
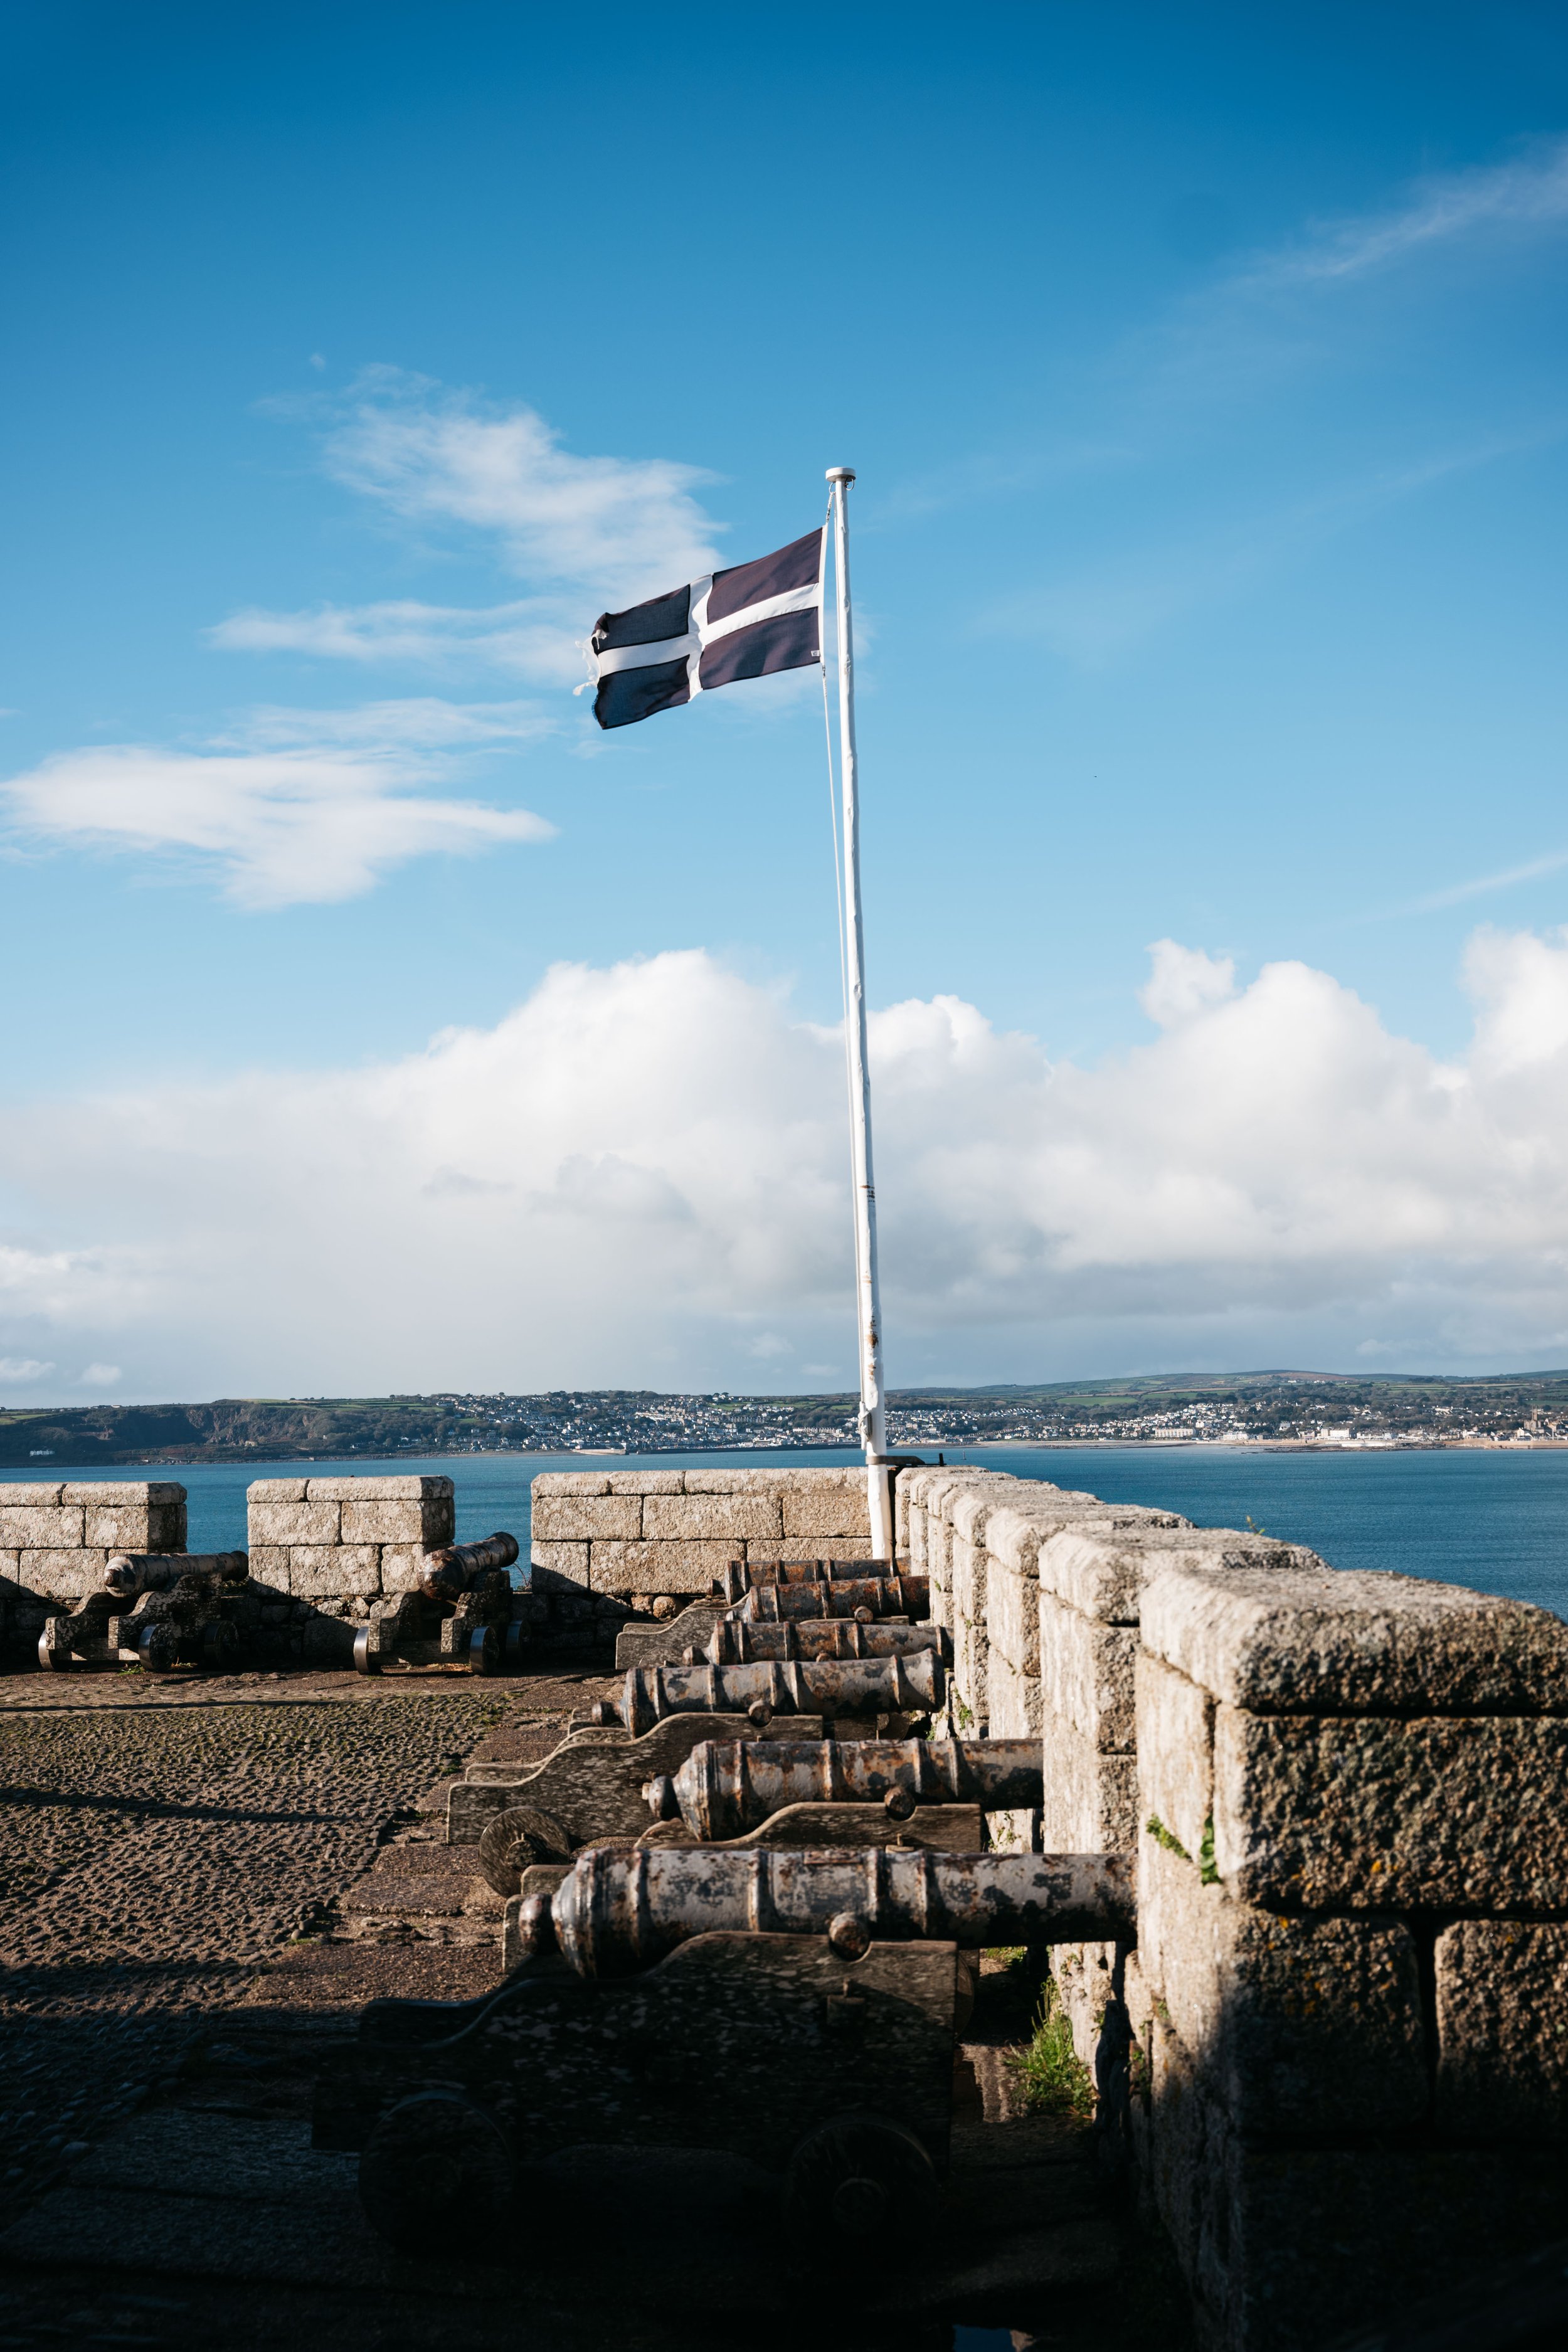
x: 746, y: 622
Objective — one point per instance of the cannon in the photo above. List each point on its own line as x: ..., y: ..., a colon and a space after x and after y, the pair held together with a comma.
x: 738, y: 1642
x: 831, y: 1687
x: 459, y: 1612
x: 726, y: 1788
x: 154, y: 1608
x: 592, y: 1786
x: 864, y: 1597
x: 796, y: 2010
x: 743, y: 1576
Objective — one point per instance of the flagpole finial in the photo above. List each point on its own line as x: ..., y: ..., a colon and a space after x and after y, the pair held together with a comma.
x: 841, y: 473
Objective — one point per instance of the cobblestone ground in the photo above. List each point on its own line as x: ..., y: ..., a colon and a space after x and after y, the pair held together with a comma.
x: 155, y: 1856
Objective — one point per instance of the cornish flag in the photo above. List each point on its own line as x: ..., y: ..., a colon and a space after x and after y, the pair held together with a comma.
x: 745, y: 623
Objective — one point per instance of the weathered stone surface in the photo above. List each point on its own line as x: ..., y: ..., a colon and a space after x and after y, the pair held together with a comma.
x: 1295, y: 2025
x: 555, y: 1565
x: 1013, y: 1702
x: 269, y: 1565
x: 640, y: 1482
x: 1503, y: 2029
x: 129, y: 1526
x: 1086, y: 1670
x: 572, y: 1482
x: 829, y: 1514
x: 400, y: 1567
x: 1381, y: 1813
x: 1175, y: 1752
x: 10, y: 1562
x: 62, y: 1575
x: 685, y: 1519
x: 578, y: 1518
x: 32, y: 1494
x: 414, y: 1486
x: 275, y: 1490
x: 1012, y: 1613
x: 106, y: 1493
x: 1304, y: 1637
x: 1100, y: 1566
x: 1090, y: 1801
x: 295, y: 1523
x: 627, y: 1568
x: 321, y: 1571
x: 54, y: 1528
x: 427, y: 1524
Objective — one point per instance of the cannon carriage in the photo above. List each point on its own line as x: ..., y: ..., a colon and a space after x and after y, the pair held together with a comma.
x: 459, y: 1613
x: 154, y: 1608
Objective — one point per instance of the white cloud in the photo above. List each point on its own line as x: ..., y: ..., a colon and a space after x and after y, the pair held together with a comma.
x: 23, y: 1367
x: 627, y: 525
x: 536, y: 638
x: 296, y: 806
x: 638, y: 1176
x: 1183, y: 980
x: 1531, y: 192
x: 100, y: 1376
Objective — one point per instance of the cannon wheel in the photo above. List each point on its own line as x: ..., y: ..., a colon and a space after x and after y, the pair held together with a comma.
x: 432, y: 2161
x: 516, y: 1838
x: 858, y: 2176
x: 516, y: 1641
x: 220, y: 1644
x: 484, y: 1651
x: 54, y: 1653
x: 366, y: 1661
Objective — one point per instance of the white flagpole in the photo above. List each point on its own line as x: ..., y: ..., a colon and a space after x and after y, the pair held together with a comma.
x: 873, y: 1405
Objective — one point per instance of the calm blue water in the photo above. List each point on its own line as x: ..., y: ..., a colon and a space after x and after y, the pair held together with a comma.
x: 1496, y: 1521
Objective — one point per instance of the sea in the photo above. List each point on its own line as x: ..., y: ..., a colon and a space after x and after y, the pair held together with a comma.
x: 1497, y: 1521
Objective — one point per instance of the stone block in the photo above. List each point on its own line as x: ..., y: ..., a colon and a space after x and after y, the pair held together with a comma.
x: 1012, y: 1615
x: 831, y: 1514
x: 699, y: 1480
x: 559, y: 1565
x: 644, y: 1482
x: 1086, y: 1668
x: 1503, y: 2029
x: 971, y: 1676
x: 416, y: 1487
x: 10, y: 1563
x: 275, y: 1490
x: 1463, y: 1812
x: 131, y: 1527
x: 62, y: 1575
x: 578, y: 1518
x: 144, y: 1494
x: 53, y: 1527
x: 629, y: 1568
x: 427, y: 1524
x: 687, y: 1519
x: 400, y: 1567
x: 323, y: 1571
x: 31, y: 1494
x: 295, y: 1523
x: 569, y: 1482
x: 1297, y: 2026
x: 1090, y: 1801
x: 1099, y: 1565
x: 1303, y: 1636
x: 269, y: 1566
x: 1175, y: 1752
x: 1014, y: 1705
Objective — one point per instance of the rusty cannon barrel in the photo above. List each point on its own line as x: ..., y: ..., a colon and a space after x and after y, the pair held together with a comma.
x: 737, y: 1642
x: 126, y: 1573
x: 866, y: 1597
x: 727, y: 1787
x: 448, y: 1574
x: 743, y: 1576
x: 619, y: 1912
x: 826, y: 1686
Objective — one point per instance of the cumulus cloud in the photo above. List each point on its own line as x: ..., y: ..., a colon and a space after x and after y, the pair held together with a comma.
x: 23, y: 1367
x: 638, y: 1177
x: 294, y: 806
x: 536, y: 638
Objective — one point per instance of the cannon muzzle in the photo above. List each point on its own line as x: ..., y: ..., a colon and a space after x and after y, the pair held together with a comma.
x: 619, y: 1912
x: 727, y: 1787
x: 448, y: 1574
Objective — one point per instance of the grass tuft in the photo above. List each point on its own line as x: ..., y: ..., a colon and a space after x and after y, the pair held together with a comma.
x: 1053, y: 2078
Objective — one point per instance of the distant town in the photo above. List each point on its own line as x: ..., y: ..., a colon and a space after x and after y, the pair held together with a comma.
x: 1274, y: 1409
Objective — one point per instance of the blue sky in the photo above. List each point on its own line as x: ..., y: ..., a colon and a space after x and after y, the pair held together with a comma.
x: 1203, y: 374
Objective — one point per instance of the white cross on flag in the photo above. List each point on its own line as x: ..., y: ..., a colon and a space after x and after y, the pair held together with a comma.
x: 746, y: 622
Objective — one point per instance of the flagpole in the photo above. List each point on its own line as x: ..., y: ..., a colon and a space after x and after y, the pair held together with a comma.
x: 873, y: 1402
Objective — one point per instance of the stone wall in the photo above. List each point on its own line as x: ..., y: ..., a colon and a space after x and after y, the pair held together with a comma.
x: 1349, y: 1798
x: 55, y: 1538
x: 632, y: 1537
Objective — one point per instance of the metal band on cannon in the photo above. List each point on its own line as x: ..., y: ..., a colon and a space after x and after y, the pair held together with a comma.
x: 725, y: 1788
x: 619, y: 1913
x: 896, y: 1685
